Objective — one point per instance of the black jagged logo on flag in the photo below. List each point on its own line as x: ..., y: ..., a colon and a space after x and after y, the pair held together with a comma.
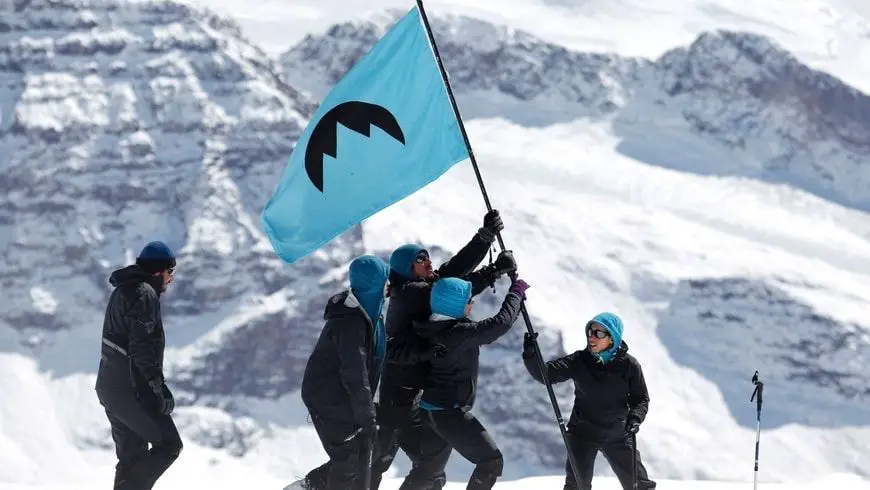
x: 355, y: 115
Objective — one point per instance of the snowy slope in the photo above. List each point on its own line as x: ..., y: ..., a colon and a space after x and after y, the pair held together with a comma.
x: 594, y: 230
x: 167, y: 119
x: 231, y: 477
x: 225, y: 478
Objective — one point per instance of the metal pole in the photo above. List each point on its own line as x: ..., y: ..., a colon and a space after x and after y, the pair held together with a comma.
x: 541, y: 364
x: 759, y: 391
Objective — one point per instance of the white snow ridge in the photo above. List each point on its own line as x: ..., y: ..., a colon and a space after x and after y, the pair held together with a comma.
x: 711, y: 188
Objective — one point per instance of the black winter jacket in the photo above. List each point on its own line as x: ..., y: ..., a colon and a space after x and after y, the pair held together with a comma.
x: 133, y: 342
x: 452, y: 380
x: 605, y: 395
x: 340, y: 378
x: 409, y: 303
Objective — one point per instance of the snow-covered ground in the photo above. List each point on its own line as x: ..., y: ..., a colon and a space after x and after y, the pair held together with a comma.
x: 205, y: 477
x: 592, y: 230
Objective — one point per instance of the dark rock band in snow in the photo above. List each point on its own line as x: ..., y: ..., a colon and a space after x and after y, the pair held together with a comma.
x: 421, y: 356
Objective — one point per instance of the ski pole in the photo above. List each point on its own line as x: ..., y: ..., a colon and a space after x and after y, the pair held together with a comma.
x: 759, y: 390
x: 634, y: 461
x: 368, y: 449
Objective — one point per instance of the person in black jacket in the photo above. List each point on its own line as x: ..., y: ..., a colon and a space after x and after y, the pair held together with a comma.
x: 610, y: 401
x: 130, y: 384
x: 342, y: 375
x: 451, y: 385
x: 411, y: 279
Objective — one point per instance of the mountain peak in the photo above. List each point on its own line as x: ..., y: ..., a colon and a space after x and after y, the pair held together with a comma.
x: 481, y: 58
x: 88, y: 14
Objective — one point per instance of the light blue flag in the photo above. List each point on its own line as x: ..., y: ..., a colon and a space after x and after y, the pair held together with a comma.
x: 385, y: 130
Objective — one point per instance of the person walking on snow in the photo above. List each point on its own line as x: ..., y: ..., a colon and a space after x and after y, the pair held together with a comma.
x: 451, y: 386
x: 130, y: 384
x: 342, y: 375
x: 610, y: 401
x: 411, y: 279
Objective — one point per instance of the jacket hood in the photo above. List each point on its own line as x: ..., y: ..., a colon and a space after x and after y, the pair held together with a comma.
x: 368, y: 275
x: 613, y: 324
x: 135, y: 274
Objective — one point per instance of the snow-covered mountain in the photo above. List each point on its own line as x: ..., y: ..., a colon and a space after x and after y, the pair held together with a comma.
x: 784, y: 121
x: 123, y: 123
x: 130, y: 122
x: 829, y: 35
x: 623, y: 182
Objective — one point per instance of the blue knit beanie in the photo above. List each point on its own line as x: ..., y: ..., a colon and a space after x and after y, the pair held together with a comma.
x: 613, y: 325
x: 449, y: 297
x: 156, y: 256
x: 402, y: 259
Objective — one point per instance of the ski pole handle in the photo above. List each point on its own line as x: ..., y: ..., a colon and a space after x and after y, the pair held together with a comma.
x: 758, y: 391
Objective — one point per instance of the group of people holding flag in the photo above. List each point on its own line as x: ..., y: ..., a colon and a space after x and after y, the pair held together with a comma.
x: 386, y: 129
x: 421, y: 356
x: 389, y: 127
x: 379, y: 381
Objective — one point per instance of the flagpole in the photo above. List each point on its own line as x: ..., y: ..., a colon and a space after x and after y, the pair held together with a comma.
x: 541, y: 364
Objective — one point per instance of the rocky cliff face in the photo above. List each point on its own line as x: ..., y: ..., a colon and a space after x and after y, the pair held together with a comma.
x: 480, y: 57
x: 783, y: 120
x: 718, y: 325
x: 123, y: 123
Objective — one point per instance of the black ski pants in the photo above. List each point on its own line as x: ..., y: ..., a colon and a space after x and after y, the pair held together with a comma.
x: 618, y: 452
x: 348, y: 453
x: 134, y: 427
x: 402, y: 424
x: 463, y: 432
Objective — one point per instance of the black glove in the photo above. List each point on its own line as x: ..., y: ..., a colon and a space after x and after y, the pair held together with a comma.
x: 368, y: 430
x: 632, y: 426
x: 529, y: 341
x: 504, y: 263
x: 492, y: 224
x: 165, y: 400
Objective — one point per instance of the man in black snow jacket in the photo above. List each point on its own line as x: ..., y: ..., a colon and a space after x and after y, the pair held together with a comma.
x: 610, y: 401
x: 451, y: 385
x: 342, y: 375
x: 411, y: 279
x: 130, y: 384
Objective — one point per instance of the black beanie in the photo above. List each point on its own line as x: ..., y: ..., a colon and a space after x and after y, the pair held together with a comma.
x: 156, y: 257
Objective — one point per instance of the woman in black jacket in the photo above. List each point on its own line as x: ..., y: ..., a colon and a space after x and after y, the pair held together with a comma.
x: 449, y: 393
x: 610, y: 401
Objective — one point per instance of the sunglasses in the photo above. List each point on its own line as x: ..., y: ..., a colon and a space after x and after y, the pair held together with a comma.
x: 171, y: 271
x: 598, y: 334
x: 422, y: 258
